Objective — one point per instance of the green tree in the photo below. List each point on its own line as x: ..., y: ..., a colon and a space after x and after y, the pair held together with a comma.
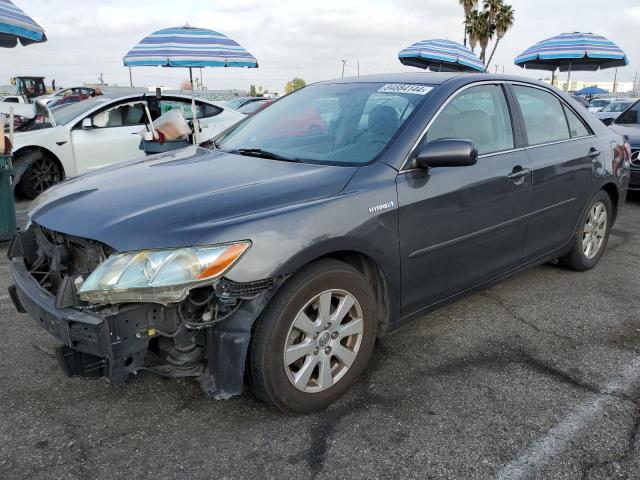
x: 252, y: 91
x: 294, y: 84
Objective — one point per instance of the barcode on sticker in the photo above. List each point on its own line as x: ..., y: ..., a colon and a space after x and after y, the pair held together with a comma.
x: 405, y: 88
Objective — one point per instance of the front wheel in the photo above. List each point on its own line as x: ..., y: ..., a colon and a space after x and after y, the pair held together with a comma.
x: 314, y: 339
x: 41, y: 174
x: 592, y: 234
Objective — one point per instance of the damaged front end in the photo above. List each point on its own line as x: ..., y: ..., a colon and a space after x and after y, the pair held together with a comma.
x: 204, y: 333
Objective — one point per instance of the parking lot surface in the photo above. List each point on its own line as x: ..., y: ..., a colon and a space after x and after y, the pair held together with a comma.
x: 536, y: 377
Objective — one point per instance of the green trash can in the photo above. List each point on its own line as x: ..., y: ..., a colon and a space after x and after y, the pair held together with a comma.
x: 7, y: 205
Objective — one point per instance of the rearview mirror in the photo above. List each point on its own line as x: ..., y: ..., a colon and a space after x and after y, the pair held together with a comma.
x: 447, y: 152
x: 607, y: 121
x: 87, y: 124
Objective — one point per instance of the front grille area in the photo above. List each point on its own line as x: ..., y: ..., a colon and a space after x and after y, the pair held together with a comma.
x: 635, y: 158
x: 58, y: 256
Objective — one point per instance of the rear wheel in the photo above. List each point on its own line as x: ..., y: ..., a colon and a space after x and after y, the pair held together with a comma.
x: 592, y: 234
x: 314, y: 339
x: 41, y: 174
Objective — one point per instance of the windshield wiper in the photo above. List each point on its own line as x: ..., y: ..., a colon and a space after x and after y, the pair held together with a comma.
x: 258, y: 152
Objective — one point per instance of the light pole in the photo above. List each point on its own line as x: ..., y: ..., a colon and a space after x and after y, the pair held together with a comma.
x: 344, y: 62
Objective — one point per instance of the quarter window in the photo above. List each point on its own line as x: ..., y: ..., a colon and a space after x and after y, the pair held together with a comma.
x: 479, y: 114
x: 203, y: 110
x: 543, y: 115
x: 576, y: 127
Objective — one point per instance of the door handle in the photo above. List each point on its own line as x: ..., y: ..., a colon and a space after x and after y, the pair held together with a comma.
x: 518, y: 173
x: 593, y: 153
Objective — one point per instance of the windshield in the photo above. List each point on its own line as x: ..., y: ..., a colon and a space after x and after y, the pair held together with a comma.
x: 617, y: 107
x: 340, y: 124
x: 599, y: 103
x: 66, y: 113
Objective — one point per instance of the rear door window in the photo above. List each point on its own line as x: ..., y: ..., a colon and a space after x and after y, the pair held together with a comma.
x: 126, y: 115
x: 543, y: 115
x: 479, y: 114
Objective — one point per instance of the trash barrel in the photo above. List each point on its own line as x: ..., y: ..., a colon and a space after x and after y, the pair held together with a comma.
x: 7, y: 205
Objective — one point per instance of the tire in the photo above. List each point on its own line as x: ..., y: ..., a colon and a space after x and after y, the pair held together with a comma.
x: 41, y: 173
x: 272, y: 377
x: 580, y: 258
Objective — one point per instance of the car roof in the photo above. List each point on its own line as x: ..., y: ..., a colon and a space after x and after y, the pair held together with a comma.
x: 434, y: 78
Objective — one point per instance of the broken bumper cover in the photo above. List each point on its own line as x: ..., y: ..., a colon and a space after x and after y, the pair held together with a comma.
x: 81, y: 331
x: 111, y: 345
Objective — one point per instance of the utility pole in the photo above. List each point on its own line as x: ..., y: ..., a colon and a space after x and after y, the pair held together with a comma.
x: 358, y: 67
x: 201, y: 88
x: 130, y: 78
x: 344, y: 62
x: 615, y: 80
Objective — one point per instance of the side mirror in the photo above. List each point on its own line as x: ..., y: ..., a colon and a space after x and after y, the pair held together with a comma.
x: 607, y: 121
x: 87, y: 123
x: 447, y: 152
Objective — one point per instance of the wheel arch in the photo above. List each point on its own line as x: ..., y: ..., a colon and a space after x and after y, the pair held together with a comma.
x: 19, y: 162
x: 385, y: 297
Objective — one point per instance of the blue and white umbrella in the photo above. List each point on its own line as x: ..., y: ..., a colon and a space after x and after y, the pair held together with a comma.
x: 189, y: 47
x: 442, y: 56
x: 573, y: 51
x: 16, y: 26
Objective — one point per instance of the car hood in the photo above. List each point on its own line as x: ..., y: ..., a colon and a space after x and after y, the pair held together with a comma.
x: 174, y: 199
x: 632, y: 133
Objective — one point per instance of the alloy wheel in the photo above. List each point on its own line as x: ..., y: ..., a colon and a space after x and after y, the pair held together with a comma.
x: 595, y: 229
x: 323, y: 341
x: 43, y: 174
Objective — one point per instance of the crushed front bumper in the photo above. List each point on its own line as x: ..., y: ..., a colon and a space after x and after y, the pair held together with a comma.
x: 114, y: 341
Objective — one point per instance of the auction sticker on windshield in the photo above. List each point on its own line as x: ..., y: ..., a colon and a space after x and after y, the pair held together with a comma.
x: 405, y: 88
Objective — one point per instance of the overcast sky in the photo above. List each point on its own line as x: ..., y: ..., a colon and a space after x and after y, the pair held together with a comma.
x: 303, y: 38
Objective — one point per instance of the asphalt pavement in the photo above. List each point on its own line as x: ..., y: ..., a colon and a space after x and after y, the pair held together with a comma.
x: 537, y: 377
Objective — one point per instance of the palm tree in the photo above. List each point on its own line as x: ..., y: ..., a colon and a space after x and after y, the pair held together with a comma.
x: 493, y: 7
x: 468, y: 6
x: 472, y: 24
x: 485, y: 29
x: 503, y: 22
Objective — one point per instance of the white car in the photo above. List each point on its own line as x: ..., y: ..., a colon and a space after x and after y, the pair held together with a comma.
x: 598, y: 104
x: 84, y: 136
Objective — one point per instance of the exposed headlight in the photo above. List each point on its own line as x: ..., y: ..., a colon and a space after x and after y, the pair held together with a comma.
x: 159, y: 276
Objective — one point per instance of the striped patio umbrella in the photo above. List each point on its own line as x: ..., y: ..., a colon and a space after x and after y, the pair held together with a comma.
x: 442, y: 56
x: 16, y: 26
x: 573, y: 52
x: 189, y: 47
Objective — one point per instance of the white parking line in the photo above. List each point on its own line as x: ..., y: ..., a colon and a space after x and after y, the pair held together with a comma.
x: 556, y: 439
